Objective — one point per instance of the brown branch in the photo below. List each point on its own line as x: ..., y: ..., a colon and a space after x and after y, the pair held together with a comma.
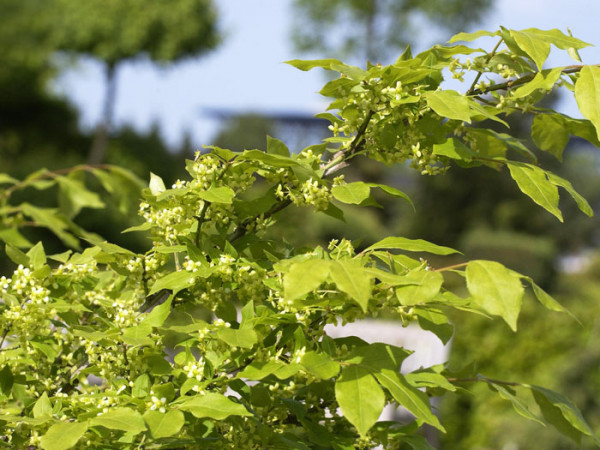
x: 522, y: 80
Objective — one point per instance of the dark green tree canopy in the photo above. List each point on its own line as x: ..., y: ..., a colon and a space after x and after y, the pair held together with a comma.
x: 113, y: 31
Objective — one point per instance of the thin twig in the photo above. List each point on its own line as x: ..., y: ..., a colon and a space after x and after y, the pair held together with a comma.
x: 452, y: 267
x: 522, y: 80
x: 480, y: 73
x: 484, y: 379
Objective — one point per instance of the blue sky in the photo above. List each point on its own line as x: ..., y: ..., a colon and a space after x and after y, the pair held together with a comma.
x: 247, y: 74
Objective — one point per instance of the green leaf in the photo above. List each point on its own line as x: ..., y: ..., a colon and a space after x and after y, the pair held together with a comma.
x: 75, y: 196
x: 454, y: 149
x: 449, y: 104
x: 156, y: 185
x: 436, y: 321
x: 175, y: 281
x: 425, y: 285
x: 311, y: 64
x: 304, y: 277
x: 159, y: 314
x: 534, y: 46
x: 581, y: 202
x: 163, y: 425
x: 214, y: 406
x: 411, y: 245
x: 351, y: 193
x: 37, y: 256
x: 138, y: 335
x: 63, y: 435
x: 546, y: 299
x: 408, y: 396
x: 124, y: 419
x: 498, y: 291
x: 429, y: 379
x: 7, y: 179
x: 352, y: 279
x: 545, y: 80
x: 223, y: 194
x: 258, y: 370
x: 243, y: 337
x: 42, y: 407
x: 562, y: 414
x: 549, y: 132
x: 587, y: 94
x: 468, y: 37
x: 277, y: 147
x: 534, y: 183
x: 519, y: 405
x: 557, y: 38
x: 13, y: 237
x: 320, y: 365
x: 360, y: 397
x: 141, y: 386
x: 49, y: 218
x: 158, y: 365
x: 16, y: 255
x: 392, y: 191
x: 378, y: 356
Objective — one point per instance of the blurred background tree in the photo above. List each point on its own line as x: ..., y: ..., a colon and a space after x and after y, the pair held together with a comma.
x: 376, y: 30
x: 39, y: 128
x: 116, y: 32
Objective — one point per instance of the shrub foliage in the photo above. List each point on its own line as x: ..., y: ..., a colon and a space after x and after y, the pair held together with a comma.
x: 214, y: 337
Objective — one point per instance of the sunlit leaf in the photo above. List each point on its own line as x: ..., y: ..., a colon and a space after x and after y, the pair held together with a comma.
x: 360, y: 397
x: 498, y: 291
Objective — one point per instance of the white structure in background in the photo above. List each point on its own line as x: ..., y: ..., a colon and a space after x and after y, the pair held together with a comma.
x: 427, y: 347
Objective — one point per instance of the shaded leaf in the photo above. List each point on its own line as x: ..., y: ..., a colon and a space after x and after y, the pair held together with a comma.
x: 351, y: 193
x: 519, y: 405
x: 562, y: 414
x: 549, y: 132
x: 454, y: 149
x: 408, y: 396
x: 320, y: 365
x: 533, y: 182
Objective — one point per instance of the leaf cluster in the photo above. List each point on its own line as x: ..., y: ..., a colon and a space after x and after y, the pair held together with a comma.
x: 215, y: 337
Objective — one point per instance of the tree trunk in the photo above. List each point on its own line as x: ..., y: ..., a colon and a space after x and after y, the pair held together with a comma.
x: 370, y: 52
x: 100, y: 144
